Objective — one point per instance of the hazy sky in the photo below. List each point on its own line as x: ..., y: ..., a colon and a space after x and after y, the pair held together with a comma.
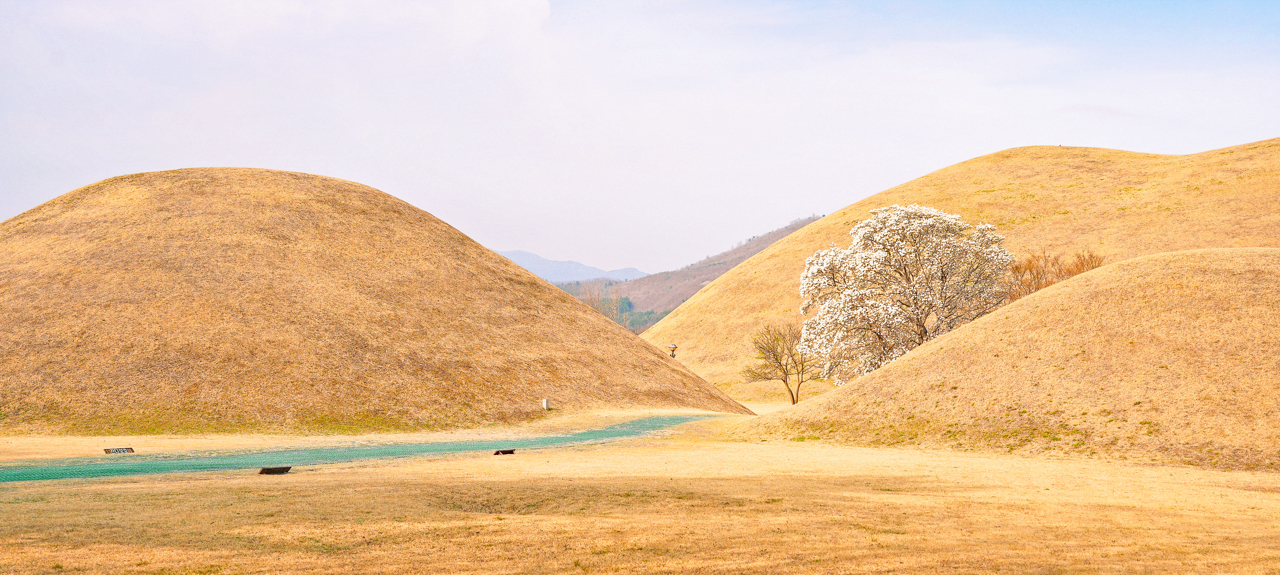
x: 618, y: 134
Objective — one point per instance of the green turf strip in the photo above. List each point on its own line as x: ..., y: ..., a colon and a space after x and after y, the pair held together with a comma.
x: 135, y: 464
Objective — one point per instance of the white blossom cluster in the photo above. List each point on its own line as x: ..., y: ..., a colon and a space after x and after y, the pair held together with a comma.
x: 912, y: 273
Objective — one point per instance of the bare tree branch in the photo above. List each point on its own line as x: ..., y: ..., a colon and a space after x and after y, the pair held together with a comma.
x: 779, y: 356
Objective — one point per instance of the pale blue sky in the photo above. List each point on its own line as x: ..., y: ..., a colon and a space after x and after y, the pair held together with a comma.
x: 617, y: 134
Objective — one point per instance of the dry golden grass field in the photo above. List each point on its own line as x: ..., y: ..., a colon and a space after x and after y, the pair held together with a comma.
x: 692, y: 502
x: 1126, y: 420
x: 1166, y: 357
x: 1118, y: 204
x: 223, y: 299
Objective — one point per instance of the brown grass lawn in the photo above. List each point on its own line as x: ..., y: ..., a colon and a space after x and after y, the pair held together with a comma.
x: 687, y: 503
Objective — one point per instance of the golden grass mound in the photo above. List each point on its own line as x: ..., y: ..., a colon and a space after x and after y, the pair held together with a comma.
x: 225, y: 299
x: 1117, y: 204
x: 1170, y: 356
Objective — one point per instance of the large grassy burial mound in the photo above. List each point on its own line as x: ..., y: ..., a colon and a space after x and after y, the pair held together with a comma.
x: 1056, y: 199
x: 236, y: 299
x: 1169, y: 357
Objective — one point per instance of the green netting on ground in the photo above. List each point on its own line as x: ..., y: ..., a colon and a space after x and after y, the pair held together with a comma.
x: 140, y: 464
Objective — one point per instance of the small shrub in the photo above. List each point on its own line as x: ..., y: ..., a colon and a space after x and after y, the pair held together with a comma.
x: 1038, y: 271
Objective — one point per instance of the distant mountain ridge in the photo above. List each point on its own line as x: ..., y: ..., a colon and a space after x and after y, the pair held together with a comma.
x: 667, y: 290
x: 567, y: 271
x: 651, y: 297
x: 664, y: 291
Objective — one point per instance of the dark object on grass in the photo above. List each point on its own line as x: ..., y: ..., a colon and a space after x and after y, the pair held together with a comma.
x: 112, y: 450
x: 274, y: 470
x: 504, y: 452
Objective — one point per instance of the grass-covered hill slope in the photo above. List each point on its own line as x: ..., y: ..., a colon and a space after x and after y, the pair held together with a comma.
x: 1118, y: 204
x: 240, y: 299
x: 1169, y: 357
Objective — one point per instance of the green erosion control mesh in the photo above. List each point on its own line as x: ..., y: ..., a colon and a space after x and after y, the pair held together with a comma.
x: 144, y: 464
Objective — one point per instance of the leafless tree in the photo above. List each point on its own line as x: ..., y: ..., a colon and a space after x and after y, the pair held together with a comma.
x: 598, y: 298
x: 777, y: 349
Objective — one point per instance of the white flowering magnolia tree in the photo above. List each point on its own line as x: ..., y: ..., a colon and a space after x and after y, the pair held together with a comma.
x: 912, y: 273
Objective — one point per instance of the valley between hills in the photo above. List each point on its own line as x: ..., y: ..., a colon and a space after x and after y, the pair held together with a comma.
x: 1122, y: 420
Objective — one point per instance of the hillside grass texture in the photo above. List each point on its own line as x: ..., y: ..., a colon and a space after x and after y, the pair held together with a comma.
x: 225, y: 299
x: 1169, y: 357
x: 1056, y: 200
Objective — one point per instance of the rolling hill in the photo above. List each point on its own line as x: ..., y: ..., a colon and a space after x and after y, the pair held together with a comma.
x: 222, y: 299
x: 1057, y: 199
x: 1168, y: 357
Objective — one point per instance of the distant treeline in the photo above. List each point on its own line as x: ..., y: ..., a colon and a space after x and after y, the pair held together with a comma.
x: 619, y: 309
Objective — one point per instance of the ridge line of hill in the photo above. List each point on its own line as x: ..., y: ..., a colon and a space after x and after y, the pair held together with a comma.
x: 1049, y: 199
